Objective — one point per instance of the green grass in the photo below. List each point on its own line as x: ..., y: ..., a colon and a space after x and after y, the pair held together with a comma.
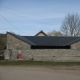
x: 39, y: 63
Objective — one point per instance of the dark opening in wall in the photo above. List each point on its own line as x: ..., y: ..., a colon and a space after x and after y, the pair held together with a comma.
x: 50, y: 47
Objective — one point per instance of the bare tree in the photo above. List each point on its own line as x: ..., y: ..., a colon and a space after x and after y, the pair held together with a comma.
x: 55, y: 33
x: 71, y: 25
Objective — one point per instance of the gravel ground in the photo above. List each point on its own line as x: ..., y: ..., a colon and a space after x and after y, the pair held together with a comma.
x: 39, y: 73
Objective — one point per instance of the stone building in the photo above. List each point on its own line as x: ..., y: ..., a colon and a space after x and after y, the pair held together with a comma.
x: 43, y: 48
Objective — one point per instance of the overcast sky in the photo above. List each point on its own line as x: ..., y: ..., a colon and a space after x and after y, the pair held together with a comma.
x: 27, y: 17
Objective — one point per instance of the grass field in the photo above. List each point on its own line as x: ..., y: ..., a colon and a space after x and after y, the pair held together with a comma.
x: 39, y: 63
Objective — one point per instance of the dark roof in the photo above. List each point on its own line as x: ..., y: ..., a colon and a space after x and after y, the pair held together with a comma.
x: 21, y: 38
x: 47, y: 40
x: 52, y: 40
x: 42, y: 33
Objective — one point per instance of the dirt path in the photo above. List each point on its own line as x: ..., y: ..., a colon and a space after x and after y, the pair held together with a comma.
x: 38, y: 73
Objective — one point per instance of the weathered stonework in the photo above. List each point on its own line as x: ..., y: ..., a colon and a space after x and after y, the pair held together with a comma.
x: 76, y: 45
x: 49, y: 55
x: 14, y: 45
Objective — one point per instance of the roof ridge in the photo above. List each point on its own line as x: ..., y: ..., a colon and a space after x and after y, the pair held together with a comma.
x: 21, y: 38
x: 72, y: 41
x: 30, y: 41
x: 41, y: 32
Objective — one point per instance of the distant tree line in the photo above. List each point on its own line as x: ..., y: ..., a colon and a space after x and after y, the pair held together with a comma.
x: 69, y: 27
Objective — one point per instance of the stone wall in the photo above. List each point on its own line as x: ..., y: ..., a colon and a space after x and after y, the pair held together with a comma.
x: 15, y: 45
x: 76, y: 46
x: 48, y: 55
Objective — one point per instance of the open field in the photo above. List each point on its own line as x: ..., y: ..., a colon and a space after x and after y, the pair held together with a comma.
x: 39, y: 73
